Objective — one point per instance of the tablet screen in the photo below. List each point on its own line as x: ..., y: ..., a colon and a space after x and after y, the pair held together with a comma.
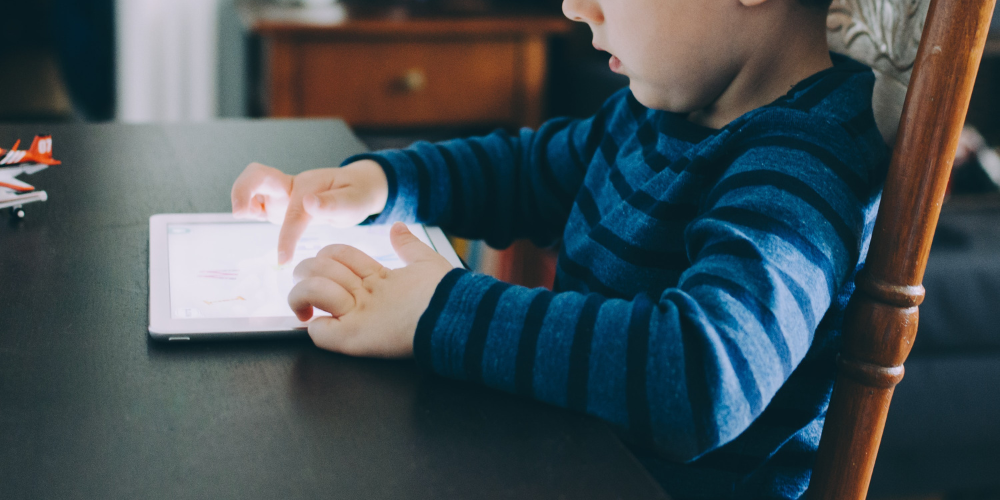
x: 230, y: 269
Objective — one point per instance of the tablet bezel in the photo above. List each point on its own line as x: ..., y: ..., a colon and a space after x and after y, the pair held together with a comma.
x: 164, y: 327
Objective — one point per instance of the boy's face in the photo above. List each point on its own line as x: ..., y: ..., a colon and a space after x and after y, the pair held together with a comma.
x: 679, y: 55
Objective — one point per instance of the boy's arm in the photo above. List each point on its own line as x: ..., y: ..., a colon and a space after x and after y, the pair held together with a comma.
x: 498, y: 187
x: 690, y: 369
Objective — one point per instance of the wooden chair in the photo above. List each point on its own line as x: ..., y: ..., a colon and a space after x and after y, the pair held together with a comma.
x: 881, y: 321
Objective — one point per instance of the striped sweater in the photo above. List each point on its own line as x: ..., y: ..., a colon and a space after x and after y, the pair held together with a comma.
x: 701, y: 280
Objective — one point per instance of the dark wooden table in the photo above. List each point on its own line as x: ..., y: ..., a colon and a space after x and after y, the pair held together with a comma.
x: 91, y: 408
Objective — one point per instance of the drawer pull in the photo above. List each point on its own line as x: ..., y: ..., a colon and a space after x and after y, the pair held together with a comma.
x: 414, y: 80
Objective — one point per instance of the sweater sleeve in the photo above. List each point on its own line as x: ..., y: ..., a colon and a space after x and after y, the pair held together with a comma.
x: 499, y: 187
x: 689, y: 369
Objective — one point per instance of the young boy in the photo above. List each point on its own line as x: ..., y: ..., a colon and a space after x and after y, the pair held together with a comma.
x: 712, y: 217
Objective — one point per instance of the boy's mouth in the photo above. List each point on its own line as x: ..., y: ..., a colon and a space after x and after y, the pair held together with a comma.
x: 615, y: 64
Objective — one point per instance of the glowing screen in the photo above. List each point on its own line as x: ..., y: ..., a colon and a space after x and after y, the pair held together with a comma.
x: 230, y: 270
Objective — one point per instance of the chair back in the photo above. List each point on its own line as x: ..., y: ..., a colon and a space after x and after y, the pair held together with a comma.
x: 885, y: 35
x: 939, y: 69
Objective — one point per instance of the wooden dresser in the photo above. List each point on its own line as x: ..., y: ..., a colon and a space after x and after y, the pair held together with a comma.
x: 389, y: 69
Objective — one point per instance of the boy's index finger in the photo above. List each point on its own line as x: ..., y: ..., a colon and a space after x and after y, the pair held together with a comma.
x: 295, y: 223
x: 296, y: 218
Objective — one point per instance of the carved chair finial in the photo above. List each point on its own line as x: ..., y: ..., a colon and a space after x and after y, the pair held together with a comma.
x: 885, y: 35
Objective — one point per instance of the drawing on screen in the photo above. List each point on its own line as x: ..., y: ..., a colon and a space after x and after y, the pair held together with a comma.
x: 210, y: 302
x: 222, y: 274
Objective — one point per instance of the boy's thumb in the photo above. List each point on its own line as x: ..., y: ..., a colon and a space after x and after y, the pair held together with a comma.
x: 407, y: 246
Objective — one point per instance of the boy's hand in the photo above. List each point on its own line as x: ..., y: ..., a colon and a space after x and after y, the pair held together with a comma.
x: 342, y: 196
x: 375, y: 309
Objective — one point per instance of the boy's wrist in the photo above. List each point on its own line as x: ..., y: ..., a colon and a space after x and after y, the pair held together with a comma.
x: 383, y: 205
x: 373, y: 179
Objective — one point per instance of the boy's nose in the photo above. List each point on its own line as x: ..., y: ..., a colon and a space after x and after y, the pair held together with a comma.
x: 584, y: 11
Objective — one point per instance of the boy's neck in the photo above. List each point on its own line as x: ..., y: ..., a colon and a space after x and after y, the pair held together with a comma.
x: 780, y: 59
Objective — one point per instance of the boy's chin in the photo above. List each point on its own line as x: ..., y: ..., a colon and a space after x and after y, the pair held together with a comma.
x: 656, y: 98
x: 649, y: 98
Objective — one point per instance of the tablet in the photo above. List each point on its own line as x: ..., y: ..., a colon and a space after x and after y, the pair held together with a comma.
x: 212, y: 276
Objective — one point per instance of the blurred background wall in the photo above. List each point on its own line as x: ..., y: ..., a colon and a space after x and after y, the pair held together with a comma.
x: 168, y: 60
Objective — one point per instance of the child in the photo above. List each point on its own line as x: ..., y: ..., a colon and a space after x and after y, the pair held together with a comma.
x: 712, y: 217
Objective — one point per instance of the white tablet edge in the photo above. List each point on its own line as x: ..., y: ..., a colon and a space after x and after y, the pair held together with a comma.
x: 163, y: 327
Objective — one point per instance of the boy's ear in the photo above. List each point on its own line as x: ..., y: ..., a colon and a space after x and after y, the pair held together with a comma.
x: 752, y: 3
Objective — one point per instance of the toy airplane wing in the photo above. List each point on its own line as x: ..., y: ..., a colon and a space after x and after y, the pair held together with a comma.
x: 8, y: 181
x: 9, y: 199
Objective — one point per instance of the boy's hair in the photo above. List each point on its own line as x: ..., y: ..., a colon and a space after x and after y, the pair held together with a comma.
x: 820, y: 4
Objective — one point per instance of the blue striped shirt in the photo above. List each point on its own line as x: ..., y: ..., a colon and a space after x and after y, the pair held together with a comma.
x: 701, y: 280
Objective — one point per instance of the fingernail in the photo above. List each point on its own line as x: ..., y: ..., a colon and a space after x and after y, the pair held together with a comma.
x: 282, y: 257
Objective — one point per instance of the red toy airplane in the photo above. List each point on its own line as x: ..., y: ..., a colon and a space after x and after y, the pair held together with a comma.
x: 14, y: 193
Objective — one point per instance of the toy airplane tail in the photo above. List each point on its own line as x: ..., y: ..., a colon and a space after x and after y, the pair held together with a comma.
x: 41, y: 150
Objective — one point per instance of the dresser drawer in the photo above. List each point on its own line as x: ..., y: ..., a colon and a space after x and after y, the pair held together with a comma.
x: 409, y: 83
